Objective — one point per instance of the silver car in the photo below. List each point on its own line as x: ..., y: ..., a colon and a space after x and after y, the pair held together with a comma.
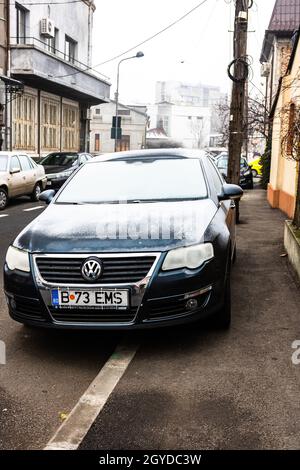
x: 20, y: 176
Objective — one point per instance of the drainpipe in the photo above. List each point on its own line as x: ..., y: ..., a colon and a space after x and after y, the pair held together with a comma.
x: 7, y: 70
x: 90, y: 21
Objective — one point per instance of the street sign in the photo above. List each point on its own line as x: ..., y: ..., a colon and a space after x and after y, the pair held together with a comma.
x: 116, y: 133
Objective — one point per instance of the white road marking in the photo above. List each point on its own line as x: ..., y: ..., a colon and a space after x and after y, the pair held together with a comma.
x: 4, y: 215
x: 33, y: 208
x: 72, y: 431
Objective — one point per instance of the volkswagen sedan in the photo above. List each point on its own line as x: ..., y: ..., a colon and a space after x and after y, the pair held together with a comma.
x: 133, y: 240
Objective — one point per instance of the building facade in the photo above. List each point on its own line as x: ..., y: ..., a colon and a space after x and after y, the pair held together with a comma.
x: 278, y: 44
x: 284, y: 174
x: 134, y: 121
x: 50, y: 53
x: 189, y: 125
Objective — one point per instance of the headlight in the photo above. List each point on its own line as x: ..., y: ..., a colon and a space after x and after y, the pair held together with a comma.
x: 17, y: 259
x: 65, y: 174
x: 191, y: 257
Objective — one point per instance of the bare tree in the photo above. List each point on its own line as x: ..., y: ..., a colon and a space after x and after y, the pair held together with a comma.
x: 290, y: 147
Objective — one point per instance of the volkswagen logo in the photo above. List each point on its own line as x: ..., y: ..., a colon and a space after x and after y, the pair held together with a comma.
x: 91, y: 269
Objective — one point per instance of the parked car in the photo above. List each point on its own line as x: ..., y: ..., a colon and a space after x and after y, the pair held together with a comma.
x: 256, y: 167
x: 20, y: 176
x: 246, y: 178
x: 90, y: 261
x: 60, y: 165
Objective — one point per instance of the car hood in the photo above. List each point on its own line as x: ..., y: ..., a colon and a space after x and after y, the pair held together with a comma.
x: 118, y: 227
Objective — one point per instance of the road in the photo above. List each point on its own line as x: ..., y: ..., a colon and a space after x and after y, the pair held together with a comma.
x: 186, y: 388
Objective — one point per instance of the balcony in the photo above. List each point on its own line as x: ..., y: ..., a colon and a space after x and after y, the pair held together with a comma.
x: 48, y: 69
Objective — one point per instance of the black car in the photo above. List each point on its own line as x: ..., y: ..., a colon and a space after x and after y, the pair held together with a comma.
x: 60, y: 165
x: 246, y: 176
x: 143, y: 239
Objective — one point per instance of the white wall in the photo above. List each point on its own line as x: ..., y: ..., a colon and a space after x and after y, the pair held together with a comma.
x: 71, y: 20
x: 133, y: 125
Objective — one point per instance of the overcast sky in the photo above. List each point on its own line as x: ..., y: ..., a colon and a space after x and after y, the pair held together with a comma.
x: 198, y: 49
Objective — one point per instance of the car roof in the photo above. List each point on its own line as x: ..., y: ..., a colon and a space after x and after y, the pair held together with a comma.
x: 151, y: 154
x: 10, y: 154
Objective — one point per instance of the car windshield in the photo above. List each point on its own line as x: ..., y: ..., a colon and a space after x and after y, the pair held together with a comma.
x: 136, y: 181
x: 60, y: 159
x: 3, y: 162
x: 223, y: 163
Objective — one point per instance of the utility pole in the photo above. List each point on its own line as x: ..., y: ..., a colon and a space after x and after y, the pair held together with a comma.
x: 239, y: 77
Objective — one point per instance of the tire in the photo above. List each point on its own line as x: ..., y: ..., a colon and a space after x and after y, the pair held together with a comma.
x: 36, y: 192
x: 3, y: 199
x: 254, y: 173
x: 223, y: 317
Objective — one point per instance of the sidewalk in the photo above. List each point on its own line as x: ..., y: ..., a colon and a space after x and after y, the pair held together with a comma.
x: 197, y: 388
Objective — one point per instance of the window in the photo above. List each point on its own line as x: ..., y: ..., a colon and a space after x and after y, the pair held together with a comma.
x: 163, y: 123
x: 124, y: 112
x: 97, y: 142
x: 50, y: 123
x: 51, y: 43
x: 24, y: 122
x: 122, y: 180
x: 70, y: 127
x: 21, y: 15
x: 97, y: 111
x: 14, y: 163
x: 25, y: 163
x: 123, y: 144
x: 290, y: 139
x: 70, y: 49
x: 3, y: 162
x: 213, y: 176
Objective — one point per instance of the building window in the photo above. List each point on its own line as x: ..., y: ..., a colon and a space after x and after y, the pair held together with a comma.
x: 123, y: 144
x: 70, y: 127
x: 70, y: 49
x: 124, y: 112
x: 97, y: 142
x: 21, y: 16
x: 97, y: 111
x: 51, y: 43
x: 163, y: 123
x: 24, y: 122
x: 50, y: 124
x: 291, y: 130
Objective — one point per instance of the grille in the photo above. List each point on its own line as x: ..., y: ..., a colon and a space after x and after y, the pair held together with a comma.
x: 115, y: 270
x: 93, y: 315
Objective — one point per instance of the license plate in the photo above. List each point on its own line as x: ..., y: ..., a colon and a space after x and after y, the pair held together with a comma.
x: 104, y: 298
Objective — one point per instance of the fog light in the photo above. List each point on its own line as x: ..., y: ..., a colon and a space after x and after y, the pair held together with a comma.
x: 191, y: 304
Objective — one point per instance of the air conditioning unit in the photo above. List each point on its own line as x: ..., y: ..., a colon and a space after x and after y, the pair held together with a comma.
x: 47, y: 28
x: 265, y: 69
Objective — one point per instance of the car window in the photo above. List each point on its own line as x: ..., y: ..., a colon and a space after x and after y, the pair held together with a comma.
x: 60, y: 159
x: 3, y: 162
x: 120, y: 180
x: 222, y: 162
x: 32, y: 163
x: 88, y: 156
x: 25, y: 163
x: 213, y: 175
x: 82, y: 159
x: 14, y: 163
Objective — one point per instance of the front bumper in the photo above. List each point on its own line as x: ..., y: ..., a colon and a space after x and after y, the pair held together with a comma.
x: 55, y: 183
x: 160, y: 300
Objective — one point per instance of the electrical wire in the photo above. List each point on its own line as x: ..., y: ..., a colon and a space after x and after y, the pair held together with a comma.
x: 139, y: 44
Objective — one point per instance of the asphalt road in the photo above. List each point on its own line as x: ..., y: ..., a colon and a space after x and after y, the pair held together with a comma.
x: 186, y: 388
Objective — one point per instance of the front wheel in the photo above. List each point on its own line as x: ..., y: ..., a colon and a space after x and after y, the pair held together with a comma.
x: 36, y: 192
x: 223, y: 317
x: 3, y: 199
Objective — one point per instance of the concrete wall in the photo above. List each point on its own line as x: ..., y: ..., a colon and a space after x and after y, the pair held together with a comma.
x: 133, y: 125
x: 71, y: 20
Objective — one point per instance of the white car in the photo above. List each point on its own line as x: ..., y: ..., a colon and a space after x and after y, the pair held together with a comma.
x: 20, y: 175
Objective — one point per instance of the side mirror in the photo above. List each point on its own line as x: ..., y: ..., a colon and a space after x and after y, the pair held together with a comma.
x: 231, y: 191
x: 47, y: 196
x: 15, y: 170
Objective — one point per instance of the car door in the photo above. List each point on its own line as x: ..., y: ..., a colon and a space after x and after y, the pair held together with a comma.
x: 17, y: 181
x: 29, y: 173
